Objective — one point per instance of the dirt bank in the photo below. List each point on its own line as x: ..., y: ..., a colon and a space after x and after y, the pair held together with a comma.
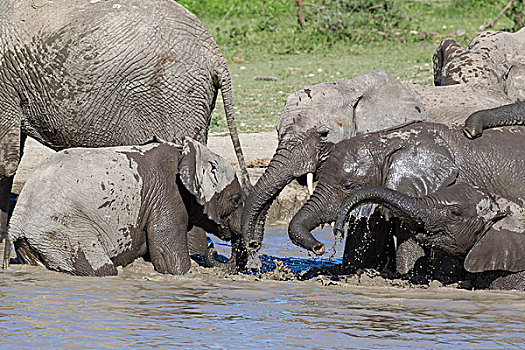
x: 258, y: 150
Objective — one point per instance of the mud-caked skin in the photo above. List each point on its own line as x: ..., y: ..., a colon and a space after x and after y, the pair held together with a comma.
x: 489, y: 59
x: 508, y: 115
x: 485, y: 230
x: 416, y: 160
x: 87, y: 211
x: 81, y: 73
x: 317, y: 117
x: 488, y: 74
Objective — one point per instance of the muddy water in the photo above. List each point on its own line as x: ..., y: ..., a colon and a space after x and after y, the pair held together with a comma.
x: 205, y: 309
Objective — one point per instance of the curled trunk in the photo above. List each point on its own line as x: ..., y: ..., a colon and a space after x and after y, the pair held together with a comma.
x: 409, y: 209
x: 513, y: 114
x: 316, y: 211
x: 299, y: 232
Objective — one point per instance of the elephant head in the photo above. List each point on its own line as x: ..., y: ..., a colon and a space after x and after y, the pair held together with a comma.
x: 461, y: 219
x: 513, y: 114
x: 313, y: 120
x: 212, y: 181
x: 413, y: 159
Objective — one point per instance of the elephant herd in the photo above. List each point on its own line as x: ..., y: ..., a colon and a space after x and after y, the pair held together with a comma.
x: 125, y: 90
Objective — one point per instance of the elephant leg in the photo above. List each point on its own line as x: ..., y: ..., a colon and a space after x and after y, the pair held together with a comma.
x: 197, y: 241
x: 167, y: 235
x: 407, y: 254
x: 198, y: 245
x: 5, y: 193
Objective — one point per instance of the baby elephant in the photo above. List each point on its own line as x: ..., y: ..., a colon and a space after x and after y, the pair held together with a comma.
x: 87, y: 211
x: 485, y: 229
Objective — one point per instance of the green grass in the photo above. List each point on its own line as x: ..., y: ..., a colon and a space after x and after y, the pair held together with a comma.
x: 261, y: 38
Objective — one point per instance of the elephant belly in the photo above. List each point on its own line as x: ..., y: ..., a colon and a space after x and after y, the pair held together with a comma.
x: 121, y: 83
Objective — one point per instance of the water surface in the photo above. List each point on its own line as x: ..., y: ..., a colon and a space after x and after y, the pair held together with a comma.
x: 143, y: 309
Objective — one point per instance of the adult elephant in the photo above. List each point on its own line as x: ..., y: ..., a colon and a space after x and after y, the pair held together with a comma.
x: 416, y: 160
x: 316, y: 118
x: 513, y: 114
x: 105, y: 73
x: 494, y: 59
x: 485, y: 230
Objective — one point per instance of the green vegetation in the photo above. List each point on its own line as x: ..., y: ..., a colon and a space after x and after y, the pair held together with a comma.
x: 339, y: 39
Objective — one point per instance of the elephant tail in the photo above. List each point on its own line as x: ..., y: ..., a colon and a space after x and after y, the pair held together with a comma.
x: 227, y: 98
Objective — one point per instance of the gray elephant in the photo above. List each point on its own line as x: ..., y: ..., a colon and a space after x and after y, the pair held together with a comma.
x: 316, y: 118
x: 494, y: 59
x: 87, y: 211
x: 416, y: 159
x: 484, y: 229
x: 513, y: 114
x: 81, y: 73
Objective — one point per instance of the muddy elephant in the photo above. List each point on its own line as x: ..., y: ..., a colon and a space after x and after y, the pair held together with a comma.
x: 513, y: 114
x: 86, y: 211
x: 493, y: 58
x: 316, y: 118
x: 87, y: 73
x: 487, y: 231
x: 416, y: 160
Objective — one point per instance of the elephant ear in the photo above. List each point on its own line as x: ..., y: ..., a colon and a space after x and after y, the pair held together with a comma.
x: 380, y: 90
x: 515, y: 82
x: 502, y: 247
x: 205, y: 175
x: 421, y: 166
x: 447, y: 50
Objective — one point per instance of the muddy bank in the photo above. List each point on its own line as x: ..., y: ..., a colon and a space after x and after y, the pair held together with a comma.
x: 258, y: 150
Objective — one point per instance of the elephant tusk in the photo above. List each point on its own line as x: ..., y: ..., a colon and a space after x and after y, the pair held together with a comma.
x: 395, y: 243
x: 310, y: 183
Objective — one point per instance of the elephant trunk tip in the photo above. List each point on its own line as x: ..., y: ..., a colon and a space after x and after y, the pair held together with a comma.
x: 301, y: 236
x: 471, y: 132
x: 318, y: 249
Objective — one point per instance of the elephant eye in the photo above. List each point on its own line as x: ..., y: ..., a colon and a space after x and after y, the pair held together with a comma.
x: 454, y: 211
x: 349, y: 184
x: 323, y: 133
x: 235, y: 200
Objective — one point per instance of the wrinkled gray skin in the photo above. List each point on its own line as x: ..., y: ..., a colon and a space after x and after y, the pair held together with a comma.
x: 316, y: 118
x: 416, y: 160
x: 484, y: 229
x: 80, y: 73
x: 87, y: 211
x: 490, y: 73
x: 492, y: 59
x: 513, y: 114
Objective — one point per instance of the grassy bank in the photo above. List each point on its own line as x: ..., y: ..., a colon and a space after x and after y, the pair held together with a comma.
x: 263, y: 39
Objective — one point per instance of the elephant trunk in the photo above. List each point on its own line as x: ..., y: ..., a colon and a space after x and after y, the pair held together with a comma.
x: 413, y: 211
x: 513, y: 114
x: 278, y: 174
x: 316, y: 211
